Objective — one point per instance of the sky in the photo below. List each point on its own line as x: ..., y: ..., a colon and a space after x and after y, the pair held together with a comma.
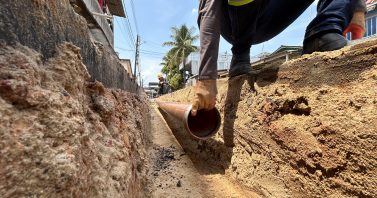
x: 153, y: 19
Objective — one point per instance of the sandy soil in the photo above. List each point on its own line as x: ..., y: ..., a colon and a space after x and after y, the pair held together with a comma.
x: 172, y: 172
x: 306, y: 128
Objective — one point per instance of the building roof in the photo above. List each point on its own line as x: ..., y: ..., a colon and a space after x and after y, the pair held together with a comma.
x: 127, y: 65
x: 116, y: 7
x: 371, y: 4
x: 286, y: 48
x: 368, y: 2
x: 153, y: 84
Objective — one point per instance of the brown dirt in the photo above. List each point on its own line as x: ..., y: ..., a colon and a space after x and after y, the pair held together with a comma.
x: 307, y: 128
x: 62, y: 135
x: 174, y: 173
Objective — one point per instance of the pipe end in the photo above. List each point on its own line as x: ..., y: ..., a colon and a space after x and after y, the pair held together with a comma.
x: 205, y: 124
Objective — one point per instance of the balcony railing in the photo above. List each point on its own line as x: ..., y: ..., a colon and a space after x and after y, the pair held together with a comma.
x: 95, y: 10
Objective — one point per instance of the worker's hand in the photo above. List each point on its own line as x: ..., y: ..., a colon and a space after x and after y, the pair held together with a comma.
x: 205, y: 96
x: 356, y: 26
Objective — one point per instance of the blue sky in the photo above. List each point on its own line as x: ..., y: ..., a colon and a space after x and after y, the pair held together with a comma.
x: 156, y: 17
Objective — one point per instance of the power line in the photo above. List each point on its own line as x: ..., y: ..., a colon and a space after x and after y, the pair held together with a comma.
x: 128, y: 23
x: 153, y: 55
x: 130, y: 32
x: 121, y: 28
x: 154, y: 44
x: 154, y: 52
x: 123, y: 49
x: 133, y: 13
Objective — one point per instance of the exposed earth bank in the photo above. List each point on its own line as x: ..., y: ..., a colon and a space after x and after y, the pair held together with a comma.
x: 307, y: 128
x: 63, y: 135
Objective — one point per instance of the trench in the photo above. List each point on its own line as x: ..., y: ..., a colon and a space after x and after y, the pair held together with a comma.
x: 175, y: 172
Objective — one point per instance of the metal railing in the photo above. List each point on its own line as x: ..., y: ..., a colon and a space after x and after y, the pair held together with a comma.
x: 101, y: 19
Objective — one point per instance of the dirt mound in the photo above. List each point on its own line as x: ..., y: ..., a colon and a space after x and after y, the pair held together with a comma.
x: 64, y: 136
x: 307, y: 128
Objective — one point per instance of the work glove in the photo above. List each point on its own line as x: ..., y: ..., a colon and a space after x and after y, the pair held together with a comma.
x: 205, y: 96
x: 356, y: 26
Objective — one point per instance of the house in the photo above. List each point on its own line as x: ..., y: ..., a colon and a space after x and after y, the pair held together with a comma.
x: 190, y: 68
x: 127, y: 66
x: 281, y: 55
x: 99, y: 15
x: 152, y: 89
x: 370, y: 20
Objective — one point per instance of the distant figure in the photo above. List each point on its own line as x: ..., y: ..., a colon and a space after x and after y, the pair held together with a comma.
x: 161, y: 84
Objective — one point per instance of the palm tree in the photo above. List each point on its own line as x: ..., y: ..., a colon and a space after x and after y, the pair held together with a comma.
x: 168, y: 63
x: 182, y: 42
x: 182, y: 39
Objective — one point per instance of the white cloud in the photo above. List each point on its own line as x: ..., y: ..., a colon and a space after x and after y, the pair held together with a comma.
x: 150, y: 67
x: 194, y: 10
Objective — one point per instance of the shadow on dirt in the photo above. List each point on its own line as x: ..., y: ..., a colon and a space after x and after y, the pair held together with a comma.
x: 209, y: 157
x: 213, y: 156
x: 261, y: 77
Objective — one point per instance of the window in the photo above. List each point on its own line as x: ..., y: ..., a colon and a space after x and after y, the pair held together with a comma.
x: 349, y: 36
x: 370, y: 26
x: 374, y: 24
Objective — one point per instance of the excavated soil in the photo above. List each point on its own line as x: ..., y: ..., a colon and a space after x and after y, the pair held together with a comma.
x: 307, y: 128
x: 174, y: 173
x: 62, y: 135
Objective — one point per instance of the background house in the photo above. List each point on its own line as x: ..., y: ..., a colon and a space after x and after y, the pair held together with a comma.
x: 152, y: 89
x: 127, y: 66
x: 370, y: 20
x: 99, y: 15
x: 191, y: 67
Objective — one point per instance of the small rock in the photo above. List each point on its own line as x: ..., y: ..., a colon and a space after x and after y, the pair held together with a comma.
x: 318, y: 173
x: 179, y: 184
x: 65, y: 93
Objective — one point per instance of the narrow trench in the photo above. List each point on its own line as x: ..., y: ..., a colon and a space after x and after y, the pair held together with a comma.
x: 172, y: 173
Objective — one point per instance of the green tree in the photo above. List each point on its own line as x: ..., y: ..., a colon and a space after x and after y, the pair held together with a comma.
x: 182, y: 39
x: 168, y: 63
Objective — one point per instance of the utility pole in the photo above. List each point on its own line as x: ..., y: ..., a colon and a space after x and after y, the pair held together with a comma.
x: 137, y: 56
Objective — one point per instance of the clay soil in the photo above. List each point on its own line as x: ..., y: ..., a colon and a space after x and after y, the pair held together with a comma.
x: 307, y: 128
x: 64, y: 135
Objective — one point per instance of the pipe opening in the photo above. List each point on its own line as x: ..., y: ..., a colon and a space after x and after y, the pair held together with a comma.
x: 204, y: 124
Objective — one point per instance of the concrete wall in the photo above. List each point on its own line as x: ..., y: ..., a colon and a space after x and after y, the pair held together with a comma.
x: 42, y: 25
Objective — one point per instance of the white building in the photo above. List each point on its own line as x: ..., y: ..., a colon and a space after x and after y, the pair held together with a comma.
x: 370, y: 20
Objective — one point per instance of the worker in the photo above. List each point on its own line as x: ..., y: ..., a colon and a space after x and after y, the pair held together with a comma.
x: 244, y: 23
x: 161, y: 84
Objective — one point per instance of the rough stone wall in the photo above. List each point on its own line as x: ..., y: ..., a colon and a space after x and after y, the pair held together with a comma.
x: 62, y: 135
x: 42, y: 25
x: 307, y: 128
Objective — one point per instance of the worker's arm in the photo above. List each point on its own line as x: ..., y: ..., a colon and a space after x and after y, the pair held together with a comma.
x: 361, y: 6
x: 209, y: 20
x: 357, y: 24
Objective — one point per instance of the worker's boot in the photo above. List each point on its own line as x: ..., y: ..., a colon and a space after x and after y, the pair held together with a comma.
x: 324, y: 42
x: 240, y: 64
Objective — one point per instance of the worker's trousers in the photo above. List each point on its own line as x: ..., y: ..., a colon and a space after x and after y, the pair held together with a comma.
x: 261, y: 20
